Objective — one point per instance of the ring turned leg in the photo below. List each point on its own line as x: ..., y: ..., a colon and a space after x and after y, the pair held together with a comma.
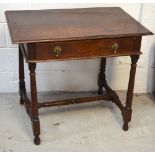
x: 127, y: 111
x: 34, y: 104
x: 21, y: 76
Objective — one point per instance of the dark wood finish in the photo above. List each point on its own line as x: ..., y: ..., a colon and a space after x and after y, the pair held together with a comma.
x: 103, y: 83
x: 34, y: 104
x: 84, y: 49
x: 128, y: 110
x: 21, y: 76
x: 22, y: 88
x: 47, y: 35
x: 101, y: 77
x: 75, y: 101
x: 71, y: 24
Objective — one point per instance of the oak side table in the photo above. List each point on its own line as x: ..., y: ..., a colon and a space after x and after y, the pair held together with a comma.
x: 67, y: 34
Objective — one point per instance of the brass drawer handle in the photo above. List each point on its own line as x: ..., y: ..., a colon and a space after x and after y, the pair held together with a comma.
x: 115, y: 47
x: 57, y: 51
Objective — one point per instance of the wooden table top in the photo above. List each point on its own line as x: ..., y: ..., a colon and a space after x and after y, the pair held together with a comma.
x: 71, y: 24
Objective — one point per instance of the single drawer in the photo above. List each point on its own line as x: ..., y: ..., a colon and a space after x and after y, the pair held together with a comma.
x: 85, y: 48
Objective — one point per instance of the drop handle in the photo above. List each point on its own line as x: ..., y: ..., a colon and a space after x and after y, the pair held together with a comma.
x: 115, y: 47
x: 57, y: 50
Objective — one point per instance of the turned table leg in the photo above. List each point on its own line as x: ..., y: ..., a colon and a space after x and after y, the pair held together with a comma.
x: 102, y: 78
x: 21, y: 76
x: 34, y: 104
x: 103, y: 83
x: 127, y: 112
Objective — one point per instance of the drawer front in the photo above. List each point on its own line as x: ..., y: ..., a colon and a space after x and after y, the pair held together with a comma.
x: 84, y: 49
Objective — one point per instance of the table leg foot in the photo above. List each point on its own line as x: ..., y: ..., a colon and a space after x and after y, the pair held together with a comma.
x: 37, y: 140
x: 126, y: 113
x: 125, y: 126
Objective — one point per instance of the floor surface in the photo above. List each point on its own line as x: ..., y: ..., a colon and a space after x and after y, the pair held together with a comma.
x: 95, y: 126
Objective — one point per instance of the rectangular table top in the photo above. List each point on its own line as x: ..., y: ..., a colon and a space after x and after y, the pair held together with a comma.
x: 71, y: 24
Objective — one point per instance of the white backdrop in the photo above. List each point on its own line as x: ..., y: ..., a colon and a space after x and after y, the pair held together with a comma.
x: 80, y: 75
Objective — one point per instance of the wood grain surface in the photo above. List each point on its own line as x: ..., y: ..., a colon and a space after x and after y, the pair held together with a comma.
x: 71, y: 24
